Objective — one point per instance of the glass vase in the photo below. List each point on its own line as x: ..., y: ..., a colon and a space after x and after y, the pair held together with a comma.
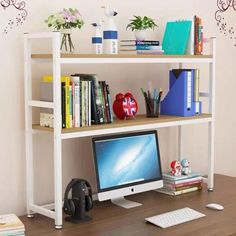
x: 66, y: 41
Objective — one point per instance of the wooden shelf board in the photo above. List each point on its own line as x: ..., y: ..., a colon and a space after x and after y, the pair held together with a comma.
x: 138, y: 121
x: 73, y: 55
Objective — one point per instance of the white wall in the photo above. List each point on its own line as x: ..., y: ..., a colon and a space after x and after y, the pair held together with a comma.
x: 77, y: 155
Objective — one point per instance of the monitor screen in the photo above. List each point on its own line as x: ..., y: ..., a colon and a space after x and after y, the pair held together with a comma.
x: 126, y: 159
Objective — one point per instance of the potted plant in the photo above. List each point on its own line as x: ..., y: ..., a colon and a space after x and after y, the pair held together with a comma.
x: 140, y: 25
x: 65, y: 21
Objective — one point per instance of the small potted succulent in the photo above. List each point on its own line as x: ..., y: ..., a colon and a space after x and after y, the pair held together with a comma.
x: 140, y: 25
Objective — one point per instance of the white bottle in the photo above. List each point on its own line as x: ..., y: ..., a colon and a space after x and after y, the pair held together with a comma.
x: 97, y: 39
x: 110, y: 33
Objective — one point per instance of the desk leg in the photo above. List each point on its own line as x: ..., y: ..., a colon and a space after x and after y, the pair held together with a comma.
x: 211, y: 156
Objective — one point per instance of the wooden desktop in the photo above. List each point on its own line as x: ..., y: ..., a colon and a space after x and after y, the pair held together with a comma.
x: 109, y: 219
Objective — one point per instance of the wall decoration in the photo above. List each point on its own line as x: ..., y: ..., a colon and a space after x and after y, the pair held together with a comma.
x: 20, y: 6
x: 223, y: 25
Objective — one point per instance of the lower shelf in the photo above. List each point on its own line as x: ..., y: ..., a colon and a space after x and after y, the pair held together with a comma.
x: 141, y: 122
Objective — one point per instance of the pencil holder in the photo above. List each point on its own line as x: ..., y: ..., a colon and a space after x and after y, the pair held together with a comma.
x: 152, y: 107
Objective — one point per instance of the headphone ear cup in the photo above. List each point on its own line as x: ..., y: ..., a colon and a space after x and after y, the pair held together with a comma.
x: 88, y: 203
x: 69, y: 207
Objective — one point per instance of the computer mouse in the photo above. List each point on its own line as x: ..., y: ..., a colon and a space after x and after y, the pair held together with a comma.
x: 215, y: 206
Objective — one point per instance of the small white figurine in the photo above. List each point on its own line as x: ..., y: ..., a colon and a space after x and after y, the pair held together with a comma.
x: 186, y: 169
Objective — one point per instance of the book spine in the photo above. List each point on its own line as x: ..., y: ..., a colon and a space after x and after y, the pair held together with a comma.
x: 67, y: 90
x: 105, y: 101
x: 83, y: 105
x: 77, y: 105
x: 71, y: 106
x: 147, y: 42
x: 109, y: 103
x: 86, y: 104
x: 148, y: 47
x: 102, y: 102
x: 89, y: 103
x: 188, y: 190
x: 174, y: 187
x: 63, y: 105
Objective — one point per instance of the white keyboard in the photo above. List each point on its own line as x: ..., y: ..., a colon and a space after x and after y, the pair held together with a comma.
x: 175, y: 217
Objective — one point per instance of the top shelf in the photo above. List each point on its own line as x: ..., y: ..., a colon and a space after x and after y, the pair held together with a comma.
x: 125, y: 58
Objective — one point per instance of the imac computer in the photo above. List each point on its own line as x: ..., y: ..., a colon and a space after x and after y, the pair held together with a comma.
x: 127, y: 164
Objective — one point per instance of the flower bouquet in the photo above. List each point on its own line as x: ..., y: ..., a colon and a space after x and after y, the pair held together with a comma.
x: 64, y: 21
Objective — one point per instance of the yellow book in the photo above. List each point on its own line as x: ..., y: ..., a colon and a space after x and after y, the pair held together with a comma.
x: 66, y: 80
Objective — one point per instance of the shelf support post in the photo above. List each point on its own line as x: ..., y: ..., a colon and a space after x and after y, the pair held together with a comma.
x: 180, y: 143
x: 180, y: 133
x: 211, y: 125
x: 57, y: 130
x: 28, y: 126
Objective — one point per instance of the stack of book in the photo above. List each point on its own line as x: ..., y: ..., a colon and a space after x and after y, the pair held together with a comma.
x: 176, y: 185
x: 11, y: 225
x: 141, y: 46
x: 84, y: 101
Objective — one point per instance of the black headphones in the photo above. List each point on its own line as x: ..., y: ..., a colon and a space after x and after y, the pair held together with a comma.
x: 70, y: 204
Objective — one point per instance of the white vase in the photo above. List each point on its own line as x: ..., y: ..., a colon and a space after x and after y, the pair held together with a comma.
x: 140, y: 34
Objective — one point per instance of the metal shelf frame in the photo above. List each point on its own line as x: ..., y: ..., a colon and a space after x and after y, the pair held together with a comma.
x: 54, y: 211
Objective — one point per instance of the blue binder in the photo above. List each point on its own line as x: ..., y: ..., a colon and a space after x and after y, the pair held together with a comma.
x: 179, y: 100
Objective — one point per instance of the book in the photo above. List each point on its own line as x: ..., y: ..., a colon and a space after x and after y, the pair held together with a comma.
x: 179, y: 192
x: 185, y: 182
x: 168, y: 176
x: 76, y: 100
x: 173, y: 187
x: 158, y: 52
x: 10, y: 224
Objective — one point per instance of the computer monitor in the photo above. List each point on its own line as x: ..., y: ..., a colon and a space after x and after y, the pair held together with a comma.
x: 127, y: 164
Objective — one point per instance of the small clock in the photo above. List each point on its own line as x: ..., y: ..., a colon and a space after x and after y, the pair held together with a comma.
x: 125, y: 106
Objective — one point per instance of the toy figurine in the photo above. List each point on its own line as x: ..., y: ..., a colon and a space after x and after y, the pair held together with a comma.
x: 125, y: 106
x: 176, y: 168
x: 185, y: 167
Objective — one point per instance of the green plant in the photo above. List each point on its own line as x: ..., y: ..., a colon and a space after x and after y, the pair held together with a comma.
x: 141, y: 23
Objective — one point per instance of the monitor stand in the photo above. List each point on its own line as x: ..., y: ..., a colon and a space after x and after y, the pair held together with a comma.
x: 122, y: 202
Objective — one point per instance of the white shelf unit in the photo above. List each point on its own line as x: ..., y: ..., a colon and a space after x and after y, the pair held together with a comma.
x: 57, y: 59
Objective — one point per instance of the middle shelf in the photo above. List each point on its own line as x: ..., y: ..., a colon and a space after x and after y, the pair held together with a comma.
x: 141, y: 122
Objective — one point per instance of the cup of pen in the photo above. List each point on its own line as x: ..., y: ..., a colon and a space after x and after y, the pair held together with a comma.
x: 152, y: 107
x: 152, y: 103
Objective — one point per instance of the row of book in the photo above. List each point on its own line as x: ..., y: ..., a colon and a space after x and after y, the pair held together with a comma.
x: 141, y: 46
x: 177, y: 185
x: 84, y: 101
x: 11, y: 225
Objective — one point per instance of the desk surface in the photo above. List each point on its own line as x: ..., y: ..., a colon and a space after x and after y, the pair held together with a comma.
x: 109, y: 219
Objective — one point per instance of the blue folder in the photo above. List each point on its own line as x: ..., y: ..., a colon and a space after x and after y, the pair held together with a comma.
x: 176, y: 37
x: 179, y: 100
